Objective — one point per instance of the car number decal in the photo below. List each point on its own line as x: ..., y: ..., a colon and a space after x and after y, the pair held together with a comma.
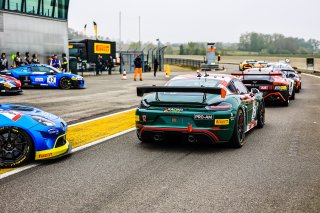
x: 51, y: 79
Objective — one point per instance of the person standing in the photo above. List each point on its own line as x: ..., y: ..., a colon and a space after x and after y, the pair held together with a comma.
x: 219, y: 58
x: 27, y: 59
x: 110, y: 65
x: 155, y: 67
x: 17, y: 62
x: 137, y: 67
x: 55, y: 62
x: 65, y: 63
x: 99, y: 65
x: 3, y: 62
x: 35, y: 59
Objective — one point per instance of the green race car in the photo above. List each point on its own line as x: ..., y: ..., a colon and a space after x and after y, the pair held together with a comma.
x: 213, y: 108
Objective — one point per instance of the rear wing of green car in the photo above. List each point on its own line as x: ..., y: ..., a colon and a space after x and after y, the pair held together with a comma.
x: 206, y: 90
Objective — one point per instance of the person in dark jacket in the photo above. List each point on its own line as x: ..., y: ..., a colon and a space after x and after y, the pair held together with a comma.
x: 35, y: 59
x: 27, y: 59
x: 65, y: 63
x: 137, y: 67
x: 3, y: 62
x: 99, y: 65
x: 17, y: 60
x: 110, y: 65
x: 155, y: 67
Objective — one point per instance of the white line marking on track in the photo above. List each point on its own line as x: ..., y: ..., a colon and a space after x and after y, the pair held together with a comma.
x: 21, y: 169
x: 311, y: 75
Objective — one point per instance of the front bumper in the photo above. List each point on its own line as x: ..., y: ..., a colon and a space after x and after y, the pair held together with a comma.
x: 78, y: 83
x: 57, y: 151
x: 4, y: 89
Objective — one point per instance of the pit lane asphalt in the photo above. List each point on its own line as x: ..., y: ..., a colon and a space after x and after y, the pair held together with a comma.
x: 277, y: 170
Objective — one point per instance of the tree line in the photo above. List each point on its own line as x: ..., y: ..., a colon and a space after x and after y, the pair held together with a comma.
x: 277, y: 44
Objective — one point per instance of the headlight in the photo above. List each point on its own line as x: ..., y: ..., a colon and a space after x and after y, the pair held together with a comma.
x: 79, y: 78
x: 43, y: 121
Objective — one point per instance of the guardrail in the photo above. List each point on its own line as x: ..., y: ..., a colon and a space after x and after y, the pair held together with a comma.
x: 184, y: 62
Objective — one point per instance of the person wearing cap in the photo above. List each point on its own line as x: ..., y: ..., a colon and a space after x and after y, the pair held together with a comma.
x: 137, y: 68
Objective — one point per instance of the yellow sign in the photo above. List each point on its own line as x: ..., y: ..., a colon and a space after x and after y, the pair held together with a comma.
x: 70, y: 46
x: 221, y: 122
x: 101, y: 48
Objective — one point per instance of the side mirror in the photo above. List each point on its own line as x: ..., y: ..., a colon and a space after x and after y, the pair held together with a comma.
x: 254, y: 91
x: 299, y: 72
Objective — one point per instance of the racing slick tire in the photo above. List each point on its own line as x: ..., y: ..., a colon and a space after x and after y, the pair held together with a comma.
x: 65, y: 83
x: 293, y: 95
x: 16, y: 147
x: 238, y: 135
x: 261, y: 116
x: 287, y: 101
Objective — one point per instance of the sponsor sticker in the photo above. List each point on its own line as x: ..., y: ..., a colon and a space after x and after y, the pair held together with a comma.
x: 15, y: 116
x: 101, y: 48
x: 171, y: 109
x: 137, y: 118
x: 144, y: 118
x: 38, y: 79
x: 221, y: 122
x: 45, y: 155
x: 203, y: 117
x: 53, y: 131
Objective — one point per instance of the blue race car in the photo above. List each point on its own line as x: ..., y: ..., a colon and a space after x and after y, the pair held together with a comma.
x: 27, y: 132
x: 43, y: 75
x: 9, y: 85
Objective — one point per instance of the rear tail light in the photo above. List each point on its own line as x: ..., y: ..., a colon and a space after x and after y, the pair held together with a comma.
x: 223, y: 106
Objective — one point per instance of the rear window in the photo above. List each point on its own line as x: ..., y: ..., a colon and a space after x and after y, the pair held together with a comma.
x: 195, y: 83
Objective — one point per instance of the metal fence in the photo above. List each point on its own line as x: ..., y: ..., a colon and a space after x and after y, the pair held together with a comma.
x: 184, y: 62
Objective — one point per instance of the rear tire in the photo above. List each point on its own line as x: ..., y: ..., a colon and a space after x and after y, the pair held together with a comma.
x: 261, y: 116
x: 238, y: 135
x: 16, y: 147
x: 293, y: 96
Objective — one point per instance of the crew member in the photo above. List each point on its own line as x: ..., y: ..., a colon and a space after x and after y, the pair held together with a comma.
x: 55, y: 62
x: 138, y: 68
x: 35, y: 59
x: 99, y: 65
x: 219, y: 58
x: 155, y: 67
x: 27, y: 59
x: 65, y: 63
x: 110, y: 65
x: 17, y: 60
x: 3, y: 62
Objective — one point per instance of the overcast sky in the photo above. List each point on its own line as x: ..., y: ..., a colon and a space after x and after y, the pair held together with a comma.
x: 196, y: 20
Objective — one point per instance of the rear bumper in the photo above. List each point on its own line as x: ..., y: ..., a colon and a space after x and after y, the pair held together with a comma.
x: 276, y: 96
x: 12, y: 90
x: 179, y: 134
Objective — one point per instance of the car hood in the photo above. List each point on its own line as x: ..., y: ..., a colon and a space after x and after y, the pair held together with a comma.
x: 27, y: 110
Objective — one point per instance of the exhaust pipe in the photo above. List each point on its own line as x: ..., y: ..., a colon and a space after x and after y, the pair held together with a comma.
x: 157, y: 137
x: 191, y: 139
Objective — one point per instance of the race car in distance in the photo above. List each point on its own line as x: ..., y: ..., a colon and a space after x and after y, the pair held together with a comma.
x: 246, y: 64
x: 214, y: 108
x: 27, y: 132
x: 290, y: 72
x: 9, y: 85
x: 260, y: 64
x: 273, y: 84
x: 42, y: 75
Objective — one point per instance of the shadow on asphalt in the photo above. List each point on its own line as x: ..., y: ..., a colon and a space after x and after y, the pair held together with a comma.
x: 182, y: 147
